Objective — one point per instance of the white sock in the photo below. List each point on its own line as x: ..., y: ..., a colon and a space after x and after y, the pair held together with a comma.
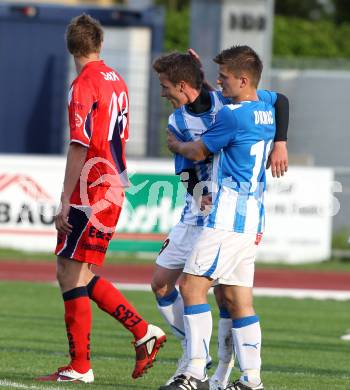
x: 198, y: 328
x: 171, y: 307
x: 225, y: 349
x: 246, y: 335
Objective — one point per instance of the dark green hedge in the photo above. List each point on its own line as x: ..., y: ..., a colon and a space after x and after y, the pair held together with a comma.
x: 295, y: 37
x: 177, y: 30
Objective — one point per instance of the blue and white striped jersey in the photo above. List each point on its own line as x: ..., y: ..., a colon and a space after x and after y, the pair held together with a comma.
x: 188, y: 126
x: 242, y: 135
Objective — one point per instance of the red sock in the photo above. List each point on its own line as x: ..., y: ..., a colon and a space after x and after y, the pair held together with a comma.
x: 78, y: 322
x: 112, y: 301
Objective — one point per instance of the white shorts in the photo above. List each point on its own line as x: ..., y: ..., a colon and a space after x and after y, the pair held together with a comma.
x: 178, y: 246
x: 224, y: 256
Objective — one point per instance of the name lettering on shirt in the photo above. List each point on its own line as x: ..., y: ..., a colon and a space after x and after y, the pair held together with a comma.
x: 110, y: 76
x: 263, y: 117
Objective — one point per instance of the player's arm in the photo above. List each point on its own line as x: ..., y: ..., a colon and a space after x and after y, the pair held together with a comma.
x: 282, y: 117
x: 75, y: 161
x: 80, y: 104
x: 219, y: 135
x: 222, y: 132
x: 194, y: 150
x: 178, y: 144
x: 181, y: 163
x: 278, y: 159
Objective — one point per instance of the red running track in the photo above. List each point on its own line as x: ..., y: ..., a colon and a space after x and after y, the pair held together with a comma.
x: 142, y: 273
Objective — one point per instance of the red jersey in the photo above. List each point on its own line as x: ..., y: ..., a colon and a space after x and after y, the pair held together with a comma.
x: 98, y: 106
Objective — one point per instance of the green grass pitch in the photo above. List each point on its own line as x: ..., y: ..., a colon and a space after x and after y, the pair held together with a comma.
x: 301, y: 345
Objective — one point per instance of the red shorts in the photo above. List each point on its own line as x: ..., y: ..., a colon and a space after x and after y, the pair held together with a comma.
x: 94, y: 222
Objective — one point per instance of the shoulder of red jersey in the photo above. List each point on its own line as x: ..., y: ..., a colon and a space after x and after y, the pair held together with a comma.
x: 101, y: 70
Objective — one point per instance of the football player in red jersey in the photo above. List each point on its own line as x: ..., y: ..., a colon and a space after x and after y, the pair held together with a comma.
x: 91, y: 202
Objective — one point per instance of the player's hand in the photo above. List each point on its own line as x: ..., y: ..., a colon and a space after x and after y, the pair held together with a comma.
x: 173, y: 143
x: 206, y: 204
x: 195, y: 56
x: 61, y: 219
x: 278, y: 159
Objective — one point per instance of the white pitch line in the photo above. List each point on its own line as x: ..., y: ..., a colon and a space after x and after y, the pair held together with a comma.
x: 133, y: 286
x: 295, y: 293
x: 15, y: 385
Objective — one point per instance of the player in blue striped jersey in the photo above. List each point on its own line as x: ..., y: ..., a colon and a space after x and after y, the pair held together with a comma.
x: 225, y: 251
x: 189, y: 126
x: 196, y: 108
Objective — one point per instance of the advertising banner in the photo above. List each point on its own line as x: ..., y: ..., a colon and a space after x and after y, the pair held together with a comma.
x: 299, y: 208
x: 30, y: 189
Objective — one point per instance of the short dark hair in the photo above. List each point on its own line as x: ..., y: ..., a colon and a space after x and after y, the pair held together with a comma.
x: 84, y: 35
x: 180, y: 67
x: 241, y: 59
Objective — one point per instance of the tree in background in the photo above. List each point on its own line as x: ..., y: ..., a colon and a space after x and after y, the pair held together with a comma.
x: 306, y: 9
x: 174, y: 5
x: 177, y: 24
x: 302, y: 28
x: 336, y: 10
x: 312, y: 28
x: 342, y: 11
